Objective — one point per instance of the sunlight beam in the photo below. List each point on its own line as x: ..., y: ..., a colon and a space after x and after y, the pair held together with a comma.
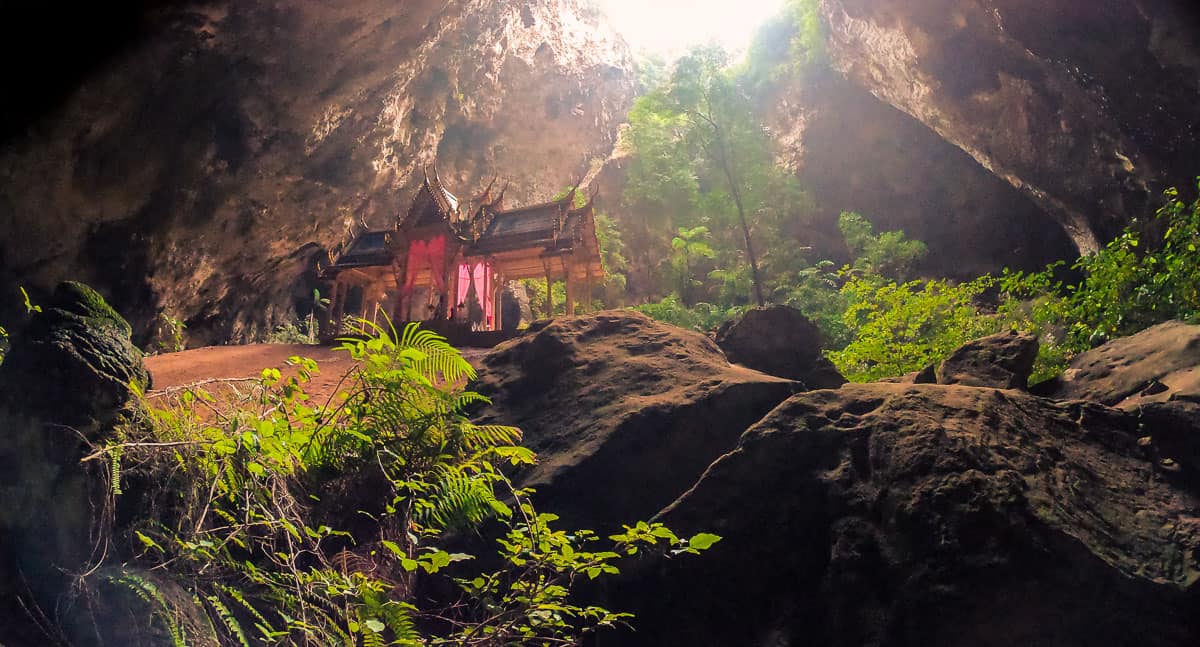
x: 668, y: 27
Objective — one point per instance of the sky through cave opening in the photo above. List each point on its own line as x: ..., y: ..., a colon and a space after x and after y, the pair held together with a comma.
x: 667, y: 28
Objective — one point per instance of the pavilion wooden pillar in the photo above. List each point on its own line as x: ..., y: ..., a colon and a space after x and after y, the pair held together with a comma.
x: 400, y: 309
x: 372, y: 294
x: 549, y: 295
x: 497, y: 302
x: 332, y: 324
x: 571, y: 296
x: 587, y: 288
x: 339, y: 305
x: 455, y: 297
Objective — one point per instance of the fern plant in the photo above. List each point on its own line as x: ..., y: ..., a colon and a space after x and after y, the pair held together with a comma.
x: 239, y: 470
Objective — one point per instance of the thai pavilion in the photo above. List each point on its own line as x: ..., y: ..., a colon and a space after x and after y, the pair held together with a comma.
x: 445, y: 261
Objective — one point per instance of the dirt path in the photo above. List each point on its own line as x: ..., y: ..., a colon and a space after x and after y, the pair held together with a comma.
x: 222, y: 362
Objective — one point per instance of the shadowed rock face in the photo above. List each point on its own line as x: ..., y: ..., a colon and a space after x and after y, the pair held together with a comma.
x: 1087, y: 107
x: 63, y: 388
x: 1001, y: 361
x: 781, y: 341
x: 623, y: 412
x: 854, y: 152
x: 198, y: 172
x: 886, y: 514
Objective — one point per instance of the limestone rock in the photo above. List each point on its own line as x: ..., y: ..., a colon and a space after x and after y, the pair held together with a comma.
x: 853, y: 151
x: 1159, y: 364
x: 63, y: 386
x: 75, y: 363
x: 201, y: 172
x: 1172, y: 432
x: 779, y: 340
x: 623, y: 411
x: 884, y: 514
x: 1001, y: 361
x: 1051, y: 97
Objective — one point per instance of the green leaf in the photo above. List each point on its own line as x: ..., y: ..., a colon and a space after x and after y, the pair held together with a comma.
x: 703, y: 541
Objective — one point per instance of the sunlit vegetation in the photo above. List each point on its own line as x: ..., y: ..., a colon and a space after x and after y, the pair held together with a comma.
x: 719, y: 227
x: 242, y: 485
x: 877, y: 324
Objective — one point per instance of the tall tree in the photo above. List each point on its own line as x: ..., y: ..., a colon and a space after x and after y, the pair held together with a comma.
x: 696, y: 137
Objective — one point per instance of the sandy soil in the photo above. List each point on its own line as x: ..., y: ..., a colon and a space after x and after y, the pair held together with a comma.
x: 222, y: 362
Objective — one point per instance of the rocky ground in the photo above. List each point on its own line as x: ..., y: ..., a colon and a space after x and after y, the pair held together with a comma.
x: 964, y: 511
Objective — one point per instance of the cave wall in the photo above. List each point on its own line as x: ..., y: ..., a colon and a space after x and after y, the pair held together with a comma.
x: 854, y: 152
x: 198, y: 173
x: 198, y: 170
x: 1086, y: 106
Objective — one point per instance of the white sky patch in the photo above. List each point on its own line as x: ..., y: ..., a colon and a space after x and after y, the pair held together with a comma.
x: 668, y: 27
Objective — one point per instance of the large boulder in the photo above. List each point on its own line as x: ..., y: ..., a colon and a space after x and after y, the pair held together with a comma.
x: 623, y: 411
x: 1159, y: 364
x: 781, y: 341
x: 1171, y: 431
x: 1001, y: 361
x: 64, y: 389
x: 1154, y: 374
x: 888, y: 514
x: 75, y: 363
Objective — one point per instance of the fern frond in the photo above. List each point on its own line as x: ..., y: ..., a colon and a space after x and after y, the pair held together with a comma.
x: 441, y: 359
x: 228, y: 620
x: 482, y: 436
x: 459, y: 499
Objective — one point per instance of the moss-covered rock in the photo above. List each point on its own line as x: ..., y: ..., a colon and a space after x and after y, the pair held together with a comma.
x: 75, y: 364
x: 63, y: 389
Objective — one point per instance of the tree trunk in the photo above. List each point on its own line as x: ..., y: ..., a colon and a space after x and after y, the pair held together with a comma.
x: 737, y: 200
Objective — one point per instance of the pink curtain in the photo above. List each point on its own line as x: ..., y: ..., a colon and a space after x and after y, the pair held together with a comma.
x: 429, y: 255
x: 479, y: 275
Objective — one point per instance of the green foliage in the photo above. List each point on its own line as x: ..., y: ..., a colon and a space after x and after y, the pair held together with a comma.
x: 688, y: 248
x: 816, y: 291
x: 536, y: 290
x: 703, y: 160
x: 1137, y: 280
x: 30, y: 308
x: 170, y: 334
x: 905, y: 327
x: 305, y: 330
x: 702, y: 317
x: 888, y: 254
x: 240, y: 474
x: 808, y: 44
x: 616, y: 265
x: 788, y: 47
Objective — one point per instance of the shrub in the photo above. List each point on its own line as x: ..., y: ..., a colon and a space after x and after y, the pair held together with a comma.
x: 905, y: 327
x: 702, y: 317
x: 1137, y: 280
x: 237, y: 478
